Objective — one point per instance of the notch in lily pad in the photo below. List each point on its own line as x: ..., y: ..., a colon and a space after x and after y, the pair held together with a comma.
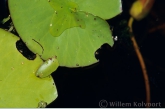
x: 65, y: 16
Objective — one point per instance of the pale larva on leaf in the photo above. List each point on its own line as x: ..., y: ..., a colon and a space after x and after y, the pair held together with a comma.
x: 48, y: 67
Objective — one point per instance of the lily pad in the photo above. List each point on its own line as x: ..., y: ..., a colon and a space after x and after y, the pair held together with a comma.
x: 19, y: 86
x: 75, y: 47
x: 65, y: 16
x: 105, y: 9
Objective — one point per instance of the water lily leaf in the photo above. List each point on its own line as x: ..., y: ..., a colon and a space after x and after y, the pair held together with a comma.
x: 75, y: 47
x: 65, y: 16
x: 105, y: 9
x: 19, y: 86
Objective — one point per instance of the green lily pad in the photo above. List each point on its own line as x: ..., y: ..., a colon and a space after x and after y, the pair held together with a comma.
x: 75, y: 47
x: 19, y: 86
x: 65, y: 16
x: 105, y: 9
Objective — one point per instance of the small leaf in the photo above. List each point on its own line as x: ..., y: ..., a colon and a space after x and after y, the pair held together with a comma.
x: 65, y: 16
x: 105, y: 9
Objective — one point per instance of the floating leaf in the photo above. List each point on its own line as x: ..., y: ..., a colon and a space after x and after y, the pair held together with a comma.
x: 76, y: 46
x: 65, y: 16
x: 105, y: 9
x: 19, y: 86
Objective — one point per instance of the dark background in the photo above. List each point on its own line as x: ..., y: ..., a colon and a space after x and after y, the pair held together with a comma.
x: 118, y: 75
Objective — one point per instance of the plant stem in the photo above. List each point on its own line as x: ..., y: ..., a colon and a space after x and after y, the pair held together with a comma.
x: 143, y: 67
x: 162, y: 26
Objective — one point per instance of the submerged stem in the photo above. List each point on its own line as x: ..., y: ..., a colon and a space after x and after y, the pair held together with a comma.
x: 142, y: 63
